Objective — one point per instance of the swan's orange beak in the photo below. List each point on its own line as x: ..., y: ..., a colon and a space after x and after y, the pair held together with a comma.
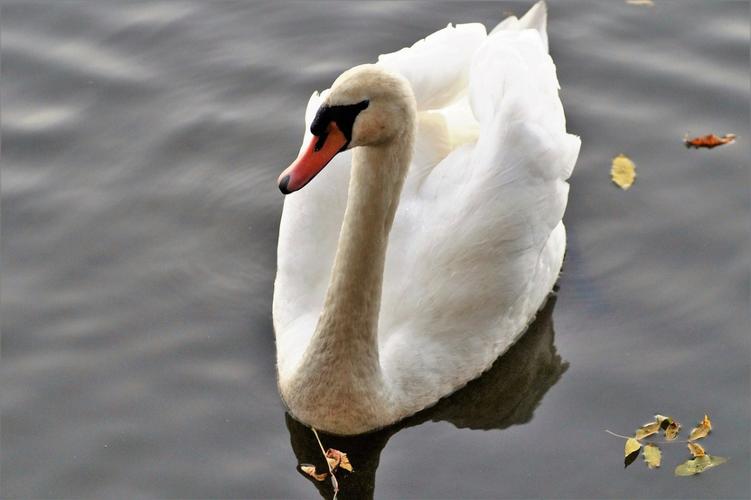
x: 317, y: 155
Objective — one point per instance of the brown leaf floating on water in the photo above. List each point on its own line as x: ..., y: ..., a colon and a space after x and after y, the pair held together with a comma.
x: 672, y: 430
x: 647, y: 430
x: 708, y: 141
x: 623, y: 171
x: 701, y: 430
x: 311, y: 471
x: 696, y: 450
x: 652, y: 456
x: 338, y: 458
x: 631, y: 451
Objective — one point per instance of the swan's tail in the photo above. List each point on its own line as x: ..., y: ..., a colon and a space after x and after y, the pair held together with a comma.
x: 536, y: 18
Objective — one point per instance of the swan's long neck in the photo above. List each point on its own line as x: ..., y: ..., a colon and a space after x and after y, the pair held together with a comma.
x: 349, y: 321
x: 342, y: 357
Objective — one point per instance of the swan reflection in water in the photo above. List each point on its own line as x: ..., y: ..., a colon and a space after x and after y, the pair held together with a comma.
x: 507, y: 394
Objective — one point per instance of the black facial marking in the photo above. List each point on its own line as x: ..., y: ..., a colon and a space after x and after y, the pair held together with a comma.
x: 321, y: 141
x: 344, y: 117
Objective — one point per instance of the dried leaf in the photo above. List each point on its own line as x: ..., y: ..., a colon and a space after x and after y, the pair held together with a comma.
x: 663, y: 421
x: 652, y: 456
x: 672, y: 430
x: 631, y: 451
x: 311, y: 471
x: 338, y: 458
x: 709, y: 141
x: 641, y: 3
x: 345, y: 464
x: 647, y: 430
x: 696, y: 450
x: 701, y: 430
x: 623, y: 171
x: 698, y: 465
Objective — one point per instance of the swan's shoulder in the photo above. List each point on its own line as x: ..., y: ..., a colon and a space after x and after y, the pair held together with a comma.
x: 437, y: 67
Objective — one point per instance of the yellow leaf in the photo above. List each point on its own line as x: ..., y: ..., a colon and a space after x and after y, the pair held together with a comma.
x: 647, y: 430
x: 338, y: 458
x: 672, y: 430
x: 652, y: 456
x: 698, y: 433
x: 663, y: 421
x: 631, y: 451
x: 701, y: 430
x: 344, y: 464
x: 698, y: 465
x: 623, y: 171
x: 311, y: 471
x: 696, y: 450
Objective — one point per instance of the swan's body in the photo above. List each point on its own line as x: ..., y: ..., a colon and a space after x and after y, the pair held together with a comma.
x: 403, y: 276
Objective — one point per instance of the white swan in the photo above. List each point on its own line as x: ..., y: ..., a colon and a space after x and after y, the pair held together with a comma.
x: 403, y: 276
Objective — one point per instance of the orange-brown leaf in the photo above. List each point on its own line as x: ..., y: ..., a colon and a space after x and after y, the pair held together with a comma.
x: 311, y: 471
x: 701, y: 430
x: 706, y: 422
x: 672, y: 430
x: 696, y: 450
x: 709, y: 141
x: 338, y: 458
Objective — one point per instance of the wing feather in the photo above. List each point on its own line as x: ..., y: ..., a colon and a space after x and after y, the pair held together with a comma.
x: 478, y: 246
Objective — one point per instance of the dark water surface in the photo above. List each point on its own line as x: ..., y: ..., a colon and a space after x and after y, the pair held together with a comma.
x: 141, y: 142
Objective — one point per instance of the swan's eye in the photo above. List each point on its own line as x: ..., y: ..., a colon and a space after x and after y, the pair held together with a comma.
x: 343, y: 115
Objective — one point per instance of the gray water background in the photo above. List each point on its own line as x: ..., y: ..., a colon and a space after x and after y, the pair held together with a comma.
x: 141, y: 142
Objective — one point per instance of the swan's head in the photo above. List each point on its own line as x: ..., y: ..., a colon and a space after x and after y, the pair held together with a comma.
x: 367, y: 106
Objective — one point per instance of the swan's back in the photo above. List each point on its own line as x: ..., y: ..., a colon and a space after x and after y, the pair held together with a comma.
x: 477, y: 242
